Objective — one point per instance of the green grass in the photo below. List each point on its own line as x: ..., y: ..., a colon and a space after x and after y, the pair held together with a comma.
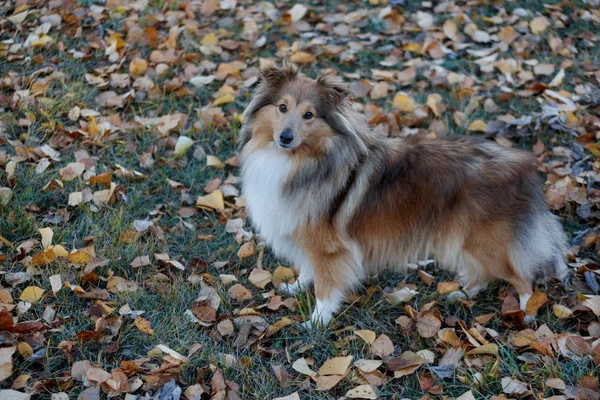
x: 165, y: 301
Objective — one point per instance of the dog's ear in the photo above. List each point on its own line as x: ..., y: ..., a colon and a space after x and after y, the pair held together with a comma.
x: 271, y: 75
x: 334, y: 89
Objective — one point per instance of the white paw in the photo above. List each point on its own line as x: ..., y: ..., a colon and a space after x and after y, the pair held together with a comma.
x: 317, y: 320
x: 529, y: 319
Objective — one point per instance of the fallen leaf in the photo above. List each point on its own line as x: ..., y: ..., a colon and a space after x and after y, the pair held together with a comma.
x: 539, y: 25
x: 283, y: 275
x: 534, y: 303
x: 382, y: 346
x: 477, y: 126
x: 361, y: 392
x: 143, y: 325
x: 32, y: 294
x: 46, y: 234
x: 561, y: 311
x: 239, y: 293
x: 366, y: 335
x: 212, y: 201
x: 183, y: 145
x: 259, y: 278
x: 335, y: 366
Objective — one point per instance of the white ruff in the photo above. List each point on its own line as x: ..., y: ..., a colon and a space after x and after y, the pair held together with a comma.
x: 264, y: 173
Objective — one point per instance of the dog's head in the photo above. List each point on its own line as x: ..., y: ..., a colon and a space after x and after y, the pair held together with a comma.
x: 296, y: 112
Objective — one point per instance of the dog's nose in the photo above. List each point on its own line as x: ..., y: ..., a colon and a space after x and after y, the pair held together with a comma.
x: 286, y: 136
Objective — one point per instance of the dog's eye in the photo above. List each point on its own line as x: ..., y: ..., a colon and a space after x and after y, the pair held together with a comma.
x: 308, y: 115
x: 283, y: 108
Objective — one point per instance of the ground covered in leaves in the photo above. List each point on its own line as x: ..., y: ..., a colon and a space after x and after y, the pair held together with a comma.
x: 128, y: 267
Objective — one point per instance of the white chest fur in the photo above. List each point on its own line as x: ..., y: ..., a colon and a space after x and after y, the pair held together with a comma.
x: 263, y: 175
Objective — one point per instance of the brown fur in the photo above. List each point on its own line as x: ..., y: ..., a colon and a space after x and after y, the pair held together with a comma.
x: 365, y: 202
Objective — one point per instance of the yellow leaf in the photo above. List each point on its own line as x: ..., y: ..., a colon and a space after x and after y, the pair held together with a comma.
x: 226, y: 98
x: 32, y: 294
x: 209, y: 40
x: 79, y: 258
x: 489, y: 348
x: 404, y: 103
x: 433, y: 100
x: 335, y: 366
x: 477, y: 126
x: 366, y: 335
x: 183, y: 145
x: 213, y: 161
x: 59, y: 251
x: 213, y: 201
x: 302, y: 57
x: 283, y: 275
x: 571, y: 119
x: 558, y: 79
x: 143, y: 325
x: 25, y: 350
x: 138, y: 66
x: 413, y: 47
x: 562, y: 311
x: 46, y: 234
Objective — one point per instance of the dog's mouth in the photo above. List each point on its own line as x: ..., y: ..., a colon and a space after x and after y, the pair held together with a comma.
x: 285, y: 146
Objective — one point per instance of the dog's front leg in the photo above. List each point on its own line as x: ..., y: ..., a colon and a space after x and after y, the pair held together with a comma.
x: 335, y: 273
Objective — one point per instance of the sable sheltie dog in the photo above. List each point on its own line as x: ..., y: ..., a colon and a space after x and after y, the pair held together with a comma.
x: 339, y: 201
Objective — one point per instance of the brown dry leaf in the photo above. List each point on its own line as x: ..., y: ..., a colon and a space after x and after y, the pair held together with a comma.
x: 143, y: 325
x: 239, y: 293
x: 362, y: 392
x: 32, y: 294
x: 328, y: 382
x: 428, y: 325
x: 116, y: 284
x: 539, y: 25
x: 379, y: 90
x: 43, y: 258
x: 534, y: 303
x: 514, y: 386
x: 593, y: 303
x: 246, y: 250
x: 448, y: 287
x: 382, y: 346
x: 6, y: 364
x: 259, y: 278
x: 72, y: 171
x: 302, y: 58
x: 336, y: 366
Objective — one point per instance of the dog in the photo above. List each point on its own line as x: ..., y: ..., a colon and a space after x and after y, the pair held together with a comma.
x: 340, y: 202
